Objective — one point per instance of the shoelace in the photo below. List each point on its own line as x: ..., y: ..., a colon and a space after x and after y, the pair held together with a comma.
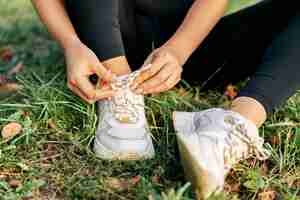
x: 125, y: 105
x: 234, y: 151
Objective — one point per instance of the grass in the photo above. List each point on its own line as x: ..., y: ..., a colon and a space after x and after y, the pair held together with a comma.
x: 52, y: 158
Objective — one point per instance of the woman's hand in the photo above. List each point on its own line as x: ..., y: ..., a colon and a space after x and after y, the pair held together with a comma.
x: 81, y: 64
x: 161, y: 72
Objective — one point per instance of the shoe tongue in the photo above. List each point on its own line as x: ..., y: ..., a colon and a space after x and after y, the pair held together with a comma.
x: 125, y: 104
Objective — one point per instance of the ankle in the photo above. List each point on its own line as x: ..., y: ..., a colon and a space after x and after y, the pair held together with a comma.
x: 251, y: 109
x: 118, y: 65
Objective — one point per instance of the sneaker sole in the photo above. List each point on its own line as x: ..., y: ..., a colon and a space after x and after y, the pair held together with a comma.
x: 200, y: 178
x: 106, y: 154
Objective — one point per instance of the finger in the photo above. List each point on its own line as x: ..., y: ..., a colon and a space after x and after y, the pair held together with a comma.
x: 157, y: 63
x: 102, y: 72
x: 103, y: 94
x: 86, y: 87
x: 79, y: 93
x: 157, y: 80
x: 167, y: 85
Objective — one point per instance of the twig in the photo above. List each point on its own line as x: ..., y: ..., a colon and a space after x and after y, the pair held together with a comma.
x: 280, y: 124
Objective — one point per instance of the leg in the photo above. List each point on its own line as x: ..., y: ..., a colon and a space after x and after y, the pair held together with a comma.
x: 212, y: 141
x: 277, y: 77
x: 97, y: 24
x: 239, y: 31
x: 109, y: 29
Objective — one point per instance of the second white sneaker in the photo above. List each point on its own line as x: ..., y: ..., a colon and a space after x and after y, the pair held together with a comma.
x: 211, y: 142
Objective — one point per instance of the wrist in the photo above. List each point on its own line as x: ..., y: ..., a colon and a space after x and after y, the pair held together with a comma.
x: 179, y: 50
x: 70, y: 43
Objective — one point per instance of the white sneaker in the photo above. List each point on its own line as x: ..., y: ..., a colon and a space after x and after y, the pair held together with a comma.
x: 123, y: 132
x: 211, y: 142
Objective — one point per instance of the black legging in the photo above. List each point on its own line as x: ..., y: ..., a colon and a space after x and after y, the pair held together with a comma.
x: 262, y: 41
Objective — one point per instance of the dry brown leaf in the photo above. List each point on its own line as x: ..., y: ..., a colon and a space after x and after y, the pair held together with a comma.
x: 182, y: 92
x: 10, y: 130
x: 231, y: 91
x: 6, y: 54
x: 234, y: 187
x: 275, y: 140
x: 267, y: 195
x: 15, y: 69
x: 52, y: 125
x: 9, y: 87
x: 3, y: 79
x: 121, y: 184
x: 118, y: 184
x: 135, y: 180
x: 14, y: 183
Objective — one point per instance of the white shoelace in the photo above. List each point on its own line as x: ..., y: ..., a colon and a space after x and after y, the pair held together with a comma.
x: 125, y: 105
x: 239, y: 145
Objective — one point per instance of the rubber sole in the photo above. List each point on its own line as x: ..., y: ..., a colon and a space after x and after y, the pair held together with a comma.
x: 194, y: 173
x: 106, y: 154
x: 203, y: 183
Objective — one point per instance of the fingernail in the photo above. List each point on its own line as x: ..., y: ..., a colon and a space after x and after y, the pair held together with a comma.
x: 73, y: 82
x: 103, y: 82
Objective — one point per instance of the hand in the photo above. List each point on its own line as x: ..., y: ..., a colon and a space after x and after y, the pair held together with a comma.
x: 81, y: 64
x: 160, y: 72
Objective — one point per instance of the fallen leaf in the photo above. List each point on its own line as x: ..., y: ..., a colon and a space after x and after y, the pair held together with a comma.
x: 182, y: 92
x: 6, y: 54
x: 10, y: 130
x: 235, y: 187
x: 52, y: 125
x: 118, y: 184
x: 3, y: 79
x: 267, y: 195
x: 135, y: 180
x: 275, y: 140
x: 15, y: 69
x: 14, y: 183
x: 121, y: 184
x: 290, y: 135
x: 9, y: 87
x: 231, y: 91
